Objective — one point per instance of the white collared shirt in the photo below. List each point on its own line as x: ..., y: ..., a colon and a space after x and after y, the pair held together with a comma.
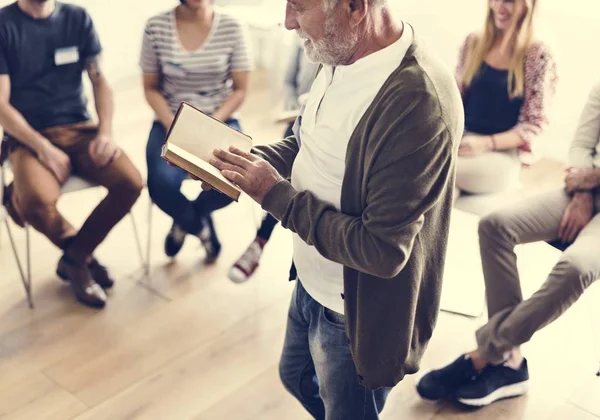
x: 337, y: 101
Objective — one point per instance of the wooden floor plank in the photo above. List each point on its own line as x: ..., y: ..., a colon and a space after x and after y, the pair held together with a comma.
x: 196, y: 381
x: 571, y: 412
x: 39, y: 398
x: 263, y: 397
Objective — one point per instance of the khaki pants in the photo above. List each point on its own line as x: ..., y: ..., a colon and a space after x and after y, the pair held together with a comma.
x: 513, y: 321
x: 36, y: 190
x: 489, y: 173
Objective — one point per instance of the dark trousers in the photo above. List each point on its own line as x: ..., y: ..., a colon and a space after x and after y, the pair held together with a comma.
x: 164, y: 186
x: 266, y: 227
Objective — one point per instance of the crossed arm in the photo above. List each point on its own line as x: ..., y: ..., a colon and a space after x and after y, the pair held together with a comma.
x: 582, y: 178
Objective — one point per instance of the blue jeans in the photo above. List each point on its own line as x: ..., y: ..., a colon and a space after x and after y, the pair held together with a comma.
x: 317, y: 368
x: 164, y: 185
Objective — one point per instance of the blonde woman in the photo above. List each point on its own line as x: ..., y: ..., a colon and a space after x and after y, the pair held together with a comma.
x: 507, y: 79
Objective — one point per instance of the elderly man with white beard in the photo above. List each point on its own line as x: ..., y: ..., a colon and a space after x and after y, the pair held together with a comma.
x: 365, y: 184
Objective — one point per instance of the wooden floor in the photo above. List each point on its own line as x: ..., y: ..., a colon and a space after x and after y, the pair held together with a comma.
x: 186, y: 343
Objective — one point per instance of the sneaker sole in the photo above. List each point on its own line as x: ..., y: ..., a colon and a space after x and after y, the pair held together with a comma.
x: 62, y: 276
x: 237, y: 276
x: 509, y: 391
x: 426, y: 400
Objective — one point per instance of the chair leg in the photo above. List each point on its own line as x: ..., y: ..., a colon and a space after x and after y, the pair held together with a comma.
x: 25, y: 276
x: 590, y: 301
x: 149, y: 238
x: 138, y: 243
x: 28, y: 257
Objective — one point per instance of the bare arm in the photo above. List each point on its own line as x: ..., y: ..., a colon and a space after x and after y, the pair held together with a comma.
x: 582, y: 179
x: 16, y: 125
x: 156, y: 100
x: 505, y: 141
x: 103, y: 96
x: 14, y: 122
x: 235, y: 100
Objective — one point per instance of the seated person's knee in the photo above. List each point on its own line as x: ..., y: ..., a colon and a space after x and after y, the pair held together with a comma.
x: 578, y: 265
x: 136, y: 184
x: 33, y: 209
x: 130, y: 187
x: 491, y: 224
x: 159, y: 186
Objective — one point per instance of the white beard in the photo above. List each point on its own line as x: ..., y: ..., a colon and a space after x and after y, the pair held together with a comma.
x: 333, y: 49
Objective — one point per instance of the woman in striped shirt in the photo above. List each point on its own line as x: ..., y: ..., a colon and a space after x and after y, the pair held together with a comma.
x: 195, y: 54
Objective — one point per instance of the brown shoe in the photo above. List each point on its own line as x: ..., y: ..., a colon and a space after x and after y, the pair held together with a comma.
x: 86, y: 290
x: 7, y: 201
x: 99, y: 273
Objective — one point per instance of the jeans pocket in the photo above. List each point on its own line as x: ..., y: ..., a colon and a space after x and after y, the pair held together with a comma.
x: 333, y: 318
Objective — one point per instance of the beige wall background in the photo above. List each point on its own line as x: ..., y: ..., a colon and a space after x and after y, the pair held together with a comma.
x: 572, y: 29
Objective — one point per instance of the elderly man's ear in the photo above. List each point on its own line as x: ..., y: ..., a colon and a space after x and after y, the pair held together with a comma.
x: 357, y: 9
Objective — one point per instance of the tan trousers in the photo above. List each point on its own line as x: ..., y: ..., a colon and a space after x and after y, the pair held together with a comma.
x: 513, y: 321
x: 36, y: 190
x: 489, y: 173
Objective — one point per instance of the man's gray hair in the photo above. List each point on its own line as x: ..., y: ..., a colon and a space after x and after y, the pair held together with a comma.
x: 330, y: 4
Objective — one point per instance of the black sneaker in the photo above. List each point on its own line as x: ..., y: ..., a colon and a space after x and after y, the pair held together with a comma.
x: 174, y: 241
x: 210, y: 241
x: 441, y: 384
x: 493, y: 384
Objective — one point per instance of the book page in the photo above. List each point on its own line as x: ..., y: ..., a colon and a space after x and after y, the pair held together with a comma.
x: 200, y: 164
x: 200, y: 134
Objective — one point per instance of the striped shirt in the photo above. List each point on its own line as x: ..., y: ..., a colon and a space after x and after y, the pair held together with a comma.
x: 202, y: 77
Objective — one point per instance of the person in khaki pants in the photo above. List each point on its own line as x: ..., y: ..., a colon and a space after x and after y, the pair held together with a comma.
x: 570, y: 214
x: 44, y: 48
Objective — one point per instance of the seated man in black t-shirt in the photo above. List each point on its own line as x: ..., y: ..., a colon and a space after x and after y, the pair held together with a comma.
x: 44, y: 48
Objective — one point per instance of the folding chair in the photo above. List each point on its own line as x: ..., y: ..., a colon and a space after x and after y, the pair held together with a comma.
x: 25, y: 273
x: 72, y: 185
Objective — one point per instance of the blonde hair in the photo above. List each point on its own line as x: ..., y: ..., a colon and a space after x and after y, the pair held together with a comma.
x: 519, y: 41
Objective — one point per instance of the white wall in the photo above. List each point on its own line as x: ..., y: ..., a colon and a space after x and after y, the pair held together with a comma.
x: 571, y: 28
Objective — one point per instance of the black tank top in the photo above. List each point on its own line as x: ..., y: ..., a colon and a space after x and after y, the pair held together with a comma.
x: 488, y: 107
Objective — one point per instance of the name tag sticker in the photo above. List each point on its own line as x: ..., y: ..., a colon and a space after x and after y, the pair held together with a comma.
x: 68, y: 55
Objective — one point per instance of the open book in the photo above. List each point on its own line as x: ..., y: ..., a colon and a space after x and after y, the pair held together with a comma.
x: 190, y: 143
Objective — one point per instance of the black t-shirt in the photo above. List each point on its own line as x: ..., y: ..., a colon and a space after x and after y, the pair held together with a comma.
x: 45, y: 59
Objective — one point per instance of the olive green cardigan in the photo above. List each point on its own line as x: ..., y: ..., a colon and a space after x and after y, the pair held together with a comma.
x: 392, y: 230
